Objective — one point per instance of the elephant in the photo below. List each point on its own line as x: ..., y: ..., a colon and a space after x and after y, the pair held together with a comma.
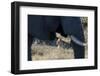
x: 44, y: 27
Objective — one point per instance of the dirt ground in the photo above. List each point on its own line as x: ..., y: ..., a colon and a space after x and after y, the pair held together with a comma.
x: 45, y: 52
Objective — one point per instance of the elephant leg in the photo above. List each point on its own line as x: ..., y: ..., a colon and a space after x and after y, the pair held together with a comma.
x: 72, y: 26
x: 30, y: 39
x: 79, y: 48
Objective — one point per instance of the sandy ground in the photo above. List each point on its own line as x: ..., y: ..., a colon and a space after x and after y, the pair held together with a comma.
x: 45, y: 52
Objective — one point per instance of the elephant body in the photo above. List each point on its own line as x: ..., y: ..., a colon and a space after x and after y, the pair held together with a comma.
x: 45, y: 28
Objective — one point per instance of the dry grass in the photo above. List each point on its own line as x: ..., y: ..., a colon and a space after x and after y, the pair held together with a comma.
x: 45, y: 52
